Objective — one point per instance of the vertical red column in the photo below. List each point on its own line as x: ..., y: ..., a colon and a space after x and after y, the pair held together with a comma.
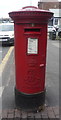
x: 30, y: 55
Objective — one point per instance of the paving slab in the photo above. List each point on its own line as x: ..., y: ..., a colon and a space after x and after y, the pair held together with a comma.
x: 49, y: 113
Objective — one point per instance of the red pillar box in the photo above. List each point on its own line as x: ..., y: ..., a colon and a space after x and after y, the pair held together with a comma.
x: 30, y: 28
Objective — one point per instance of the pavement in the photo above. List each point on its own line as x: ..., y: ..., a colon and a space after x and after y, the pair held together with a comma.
x: 11, y: 112
x: 47, y: 114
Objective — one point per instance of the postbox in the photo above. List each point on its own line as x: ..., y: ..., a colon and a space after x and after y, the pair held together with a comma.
x: 30, y: 29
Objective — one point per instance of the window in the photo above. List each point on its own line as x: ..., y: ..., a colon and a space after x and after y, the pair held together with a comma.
x: 56, y: 21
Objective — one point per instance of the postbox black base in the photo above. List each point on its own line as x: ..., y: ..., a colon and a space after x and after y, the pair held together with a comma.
x: 29, y: 102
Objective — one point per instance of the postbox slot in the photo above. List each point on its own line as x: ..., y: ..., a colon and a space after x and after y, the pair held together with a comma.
x: 32, y: 30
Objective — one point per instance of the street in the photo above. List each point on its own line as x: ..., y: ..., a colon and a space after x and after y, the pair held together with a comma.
x: 6, y: 74
x: 52, y: 77
x: 3, y: 52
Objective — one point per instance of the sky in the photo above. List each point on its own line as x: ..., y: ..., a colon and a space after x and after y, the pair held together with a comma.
x: 7, y: 6
x: 12, y: 5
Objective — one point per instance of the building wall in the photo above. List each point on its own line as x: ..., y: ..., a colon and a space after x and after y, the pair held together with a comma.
x: 49, y: 5
x: 56, y: 20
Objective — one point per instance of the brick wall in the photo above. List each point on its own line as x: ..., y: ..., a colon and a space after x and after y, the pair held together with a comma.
x: 49, y: 5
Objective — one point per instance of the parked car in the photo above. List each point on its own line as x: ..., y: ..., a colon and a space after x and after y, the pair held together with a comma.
x: 51, y: 29
x: 59, y: 31
x: 56, y: 27
x: 52, y: 32
x: 7, y: 33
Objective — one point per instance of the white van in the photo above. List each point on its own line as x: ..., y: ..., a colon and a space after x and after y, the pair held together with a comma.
x: 7, y: 33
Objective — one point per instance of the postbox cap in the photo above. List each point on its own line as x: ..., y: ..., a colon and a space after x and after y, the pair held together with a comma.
x: 30, y: 13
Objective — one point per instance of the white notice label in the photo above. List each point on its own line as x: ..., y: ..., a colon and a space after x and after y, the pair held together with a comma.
x: 32, y: 46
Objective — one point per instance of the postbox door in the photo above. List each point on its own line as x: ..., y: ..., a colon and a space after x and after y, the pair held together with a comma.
x: 35, y: 60
x: 30, y: 49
